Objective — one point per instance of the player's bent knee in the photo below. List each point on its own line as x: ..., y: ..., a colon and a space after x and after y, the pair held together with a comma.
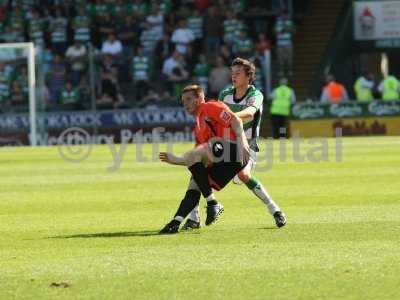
x: 244, y: 175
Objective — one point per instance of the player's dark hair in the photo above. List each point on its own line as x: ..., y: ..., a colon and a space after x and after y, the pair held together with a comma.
x: 194, y: 88
x: 248, y: 66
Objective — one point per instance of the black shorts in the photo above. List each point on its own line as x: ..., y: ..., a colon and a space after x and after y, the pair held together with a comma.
x: 226, y: 162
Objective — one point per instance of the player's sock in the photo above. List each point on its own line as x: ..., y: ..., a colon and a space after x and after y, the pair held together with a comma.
x: 190, y: 201
x: 211, y: 200
x: 175, y: 221
x: 257, y: 188
x: 200, y: 175
x: 195, y: 214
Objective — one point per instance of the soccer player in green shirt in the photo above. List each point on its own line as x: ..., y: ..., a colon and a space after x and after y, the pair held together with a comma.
x: 247, y: 102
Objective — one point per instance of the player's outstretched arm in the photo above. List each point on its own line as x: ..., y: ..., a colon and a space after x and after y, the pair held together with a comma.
x: 188, y: 159
x: 247, y: 114
x: 172, y: 159
x: 237, y: 126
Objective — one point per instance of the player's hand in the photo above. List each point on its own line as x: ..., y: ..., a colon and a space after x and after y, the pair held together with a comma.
x: 164, y: 157
x: 245, y: 148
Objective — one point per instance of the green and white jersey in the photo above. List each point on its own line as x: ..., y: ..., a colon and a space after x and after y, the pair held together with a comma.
x: 148, y: 40
x: 243, y: 45
x: 5, y: 82
x: 35, y: 30
x: 253, y: 97
x: 141, y: 68
x: 81, y: 25
x: 96, y: 10
x: 59, y: 30
x: 68, y: 97
x: 195, y: 24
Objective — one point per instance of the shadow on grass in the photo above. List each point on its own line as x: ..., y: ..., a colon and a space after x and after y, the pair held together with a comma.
x: 108, y: 234
x: 268, y: 228
x: 143, y: 233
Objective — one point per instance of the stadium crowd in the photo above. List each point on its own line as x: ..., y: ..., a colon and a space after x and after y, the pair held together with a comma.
x: 137, y: 53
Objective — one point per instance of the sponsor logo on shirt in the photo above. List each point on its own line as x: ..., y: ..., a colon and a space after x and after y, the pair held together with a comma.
x: 251, y: 101
x: 225, y: 116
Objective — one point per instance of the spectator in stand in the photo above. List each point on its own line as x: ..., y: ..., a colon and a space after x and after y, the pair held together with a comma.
x: 262, y: 44
x: 201, y: 72
x: 140, y: 73
x: 58, y: 29
x: 46, y: 16
x: 220, y: 77
x: 106, y: 26
x: 150, y: 100
x: 35, y: 29
x: 182, y: 37
x: 169, y: 22
x: 390, y: 88
x: 5, y: 81
x: 81, y: 25
x: 226, y: 53
x: 112, y: 46
x: 195, y: 24
x: 84, y: 93
x: 127, y: 34
x: 69, y: 99
x: 232, y: 25
x: 110, y: 96
x: 108, y: 65
x: 284, y: 29
x: 16, y: 23
x: 148, y: 39
x: 212, y: 31
x: 171, y: 63
x: 156, y: 20
x: 18, y: 97
x: 161, y: 52
x: 333, y: 92
x: 282, y: 99
x: 46, y: 59
x: 21, y: 77
x: 259, y: 81
x: 77, y: 58
x: 9, y: 35
x: 175, y: 72
x: 363, y: 88
x: 243, y: 45
x: 56, y: 78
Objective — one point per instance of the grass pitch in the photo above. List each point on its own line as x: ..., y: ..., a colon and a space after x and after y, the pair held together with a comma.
x: 76, y: 230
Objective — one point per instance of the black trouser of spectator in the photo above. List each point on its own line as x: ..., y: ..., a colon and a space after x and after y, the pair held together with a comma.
x: 212, y: 45
x: 279, y: 126
x: 76, y: 76
x: 197, y: 47
x: 59, y: 48
x: 141, y: 87
x: 285, y: 59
